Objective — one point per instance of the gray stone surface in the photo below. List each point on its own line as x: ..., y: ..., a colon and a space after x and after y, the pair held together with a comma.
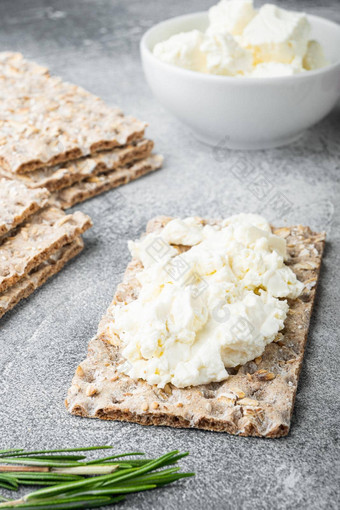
x: 95, y: 44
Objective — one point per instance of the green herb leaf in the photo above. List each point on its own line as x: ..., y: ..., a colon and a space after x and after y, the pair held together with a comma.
x: 20, y: 451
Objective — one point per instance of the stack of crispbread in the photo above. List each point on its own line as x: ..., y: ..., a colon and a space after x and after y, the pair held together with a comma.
x: 36, y: 240
x: 58, y: 136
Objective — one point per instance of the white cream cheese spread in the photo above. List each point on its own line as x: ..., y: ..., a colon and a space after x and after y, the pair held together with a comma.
x: 314, y: 57
x: 225, y: 56
x: 182, y: 50
x: 243, y: 41
x: 215, y: 305
x: 277, y: 35
x: 231, y: 16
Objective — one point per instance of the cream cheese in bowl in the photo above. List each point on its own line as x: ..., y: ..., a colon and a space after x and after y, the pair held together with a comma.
x: 242, y: 78
x: 241, y: 41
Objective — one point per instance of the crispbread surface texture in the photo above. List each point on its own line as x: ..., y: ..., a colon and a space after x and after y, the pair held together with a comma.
x: 33, y: 242
x: 17, y: 203
x: 45, y: 120
x: 61, y: 176
x: 38, y: 276
x: 93, y: 186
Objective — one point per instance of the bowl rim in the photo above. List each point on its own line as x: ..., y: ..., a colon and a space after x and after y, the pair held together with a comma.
x: 231, y: 79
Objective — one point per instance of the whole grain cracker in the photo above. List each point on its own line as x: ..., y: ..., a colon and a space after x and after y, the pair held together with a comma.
x: 38, y: 276
x: 34, y: 242
x: 17, y: 203
x: 12, y: 67
x: 93, y: 186
x: 256, y: 400
x: 45, y: 121
x: 65, y: 175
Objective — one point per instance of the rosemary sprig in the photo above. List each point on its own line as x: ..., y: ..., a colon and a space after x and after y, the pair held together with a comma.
x: 73, y: 482
x: 19, y: 451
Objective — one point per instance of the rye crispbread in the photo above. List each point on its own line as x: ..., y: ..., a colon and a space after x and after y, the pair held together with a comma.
x: 34, y: 242
x: 38, y: 276
x: 65, y: 175
x: 17, y: 203
x: 256, y: 400
x: 93, y: 186
x: 13, y: 66
x: 45, y: 121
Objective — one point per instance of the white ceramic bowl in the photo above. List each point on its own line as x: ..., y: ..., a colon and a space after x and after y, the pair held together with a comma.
x: 243, y: 113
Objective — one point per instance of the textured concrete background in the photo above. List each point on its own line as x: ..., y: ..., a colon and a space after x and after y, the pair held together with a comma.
x: 95, y: 44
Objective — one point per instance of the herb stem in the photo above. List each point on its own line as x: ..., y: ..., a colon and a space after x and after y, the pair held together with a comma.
x: 30, y: 469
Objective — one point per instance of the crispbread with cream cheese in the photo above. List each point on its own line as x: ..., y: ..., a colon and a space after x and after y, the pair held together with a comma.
x: 38, y: 276
x: 64, y: 175
x: 33, y: 242
x: 95, y: 185
x: 256, y: 400
x: 18, y: 203
x: 54, y: 121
